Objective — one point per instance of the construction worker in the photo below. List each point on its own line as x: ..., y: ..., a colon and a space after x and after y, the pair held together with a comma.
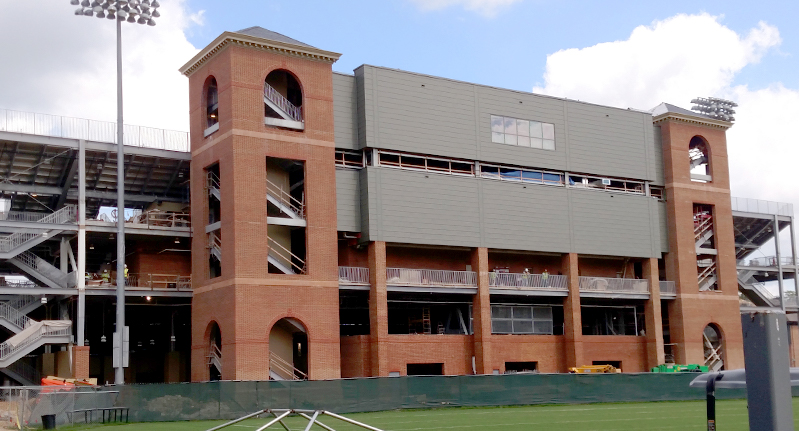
x: 526, y: 277
x: 106, y: 276
x: 545, y: 278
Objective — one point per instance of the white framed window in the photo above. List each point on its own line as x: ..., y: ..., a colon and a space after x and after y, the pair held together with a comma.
x: 521, y: 319
x: 522, y: 133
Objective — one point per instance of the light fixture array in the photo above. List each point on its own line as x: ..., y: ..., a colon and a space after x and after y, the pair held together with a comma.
x: 133, y: 11
x: 719, y: 109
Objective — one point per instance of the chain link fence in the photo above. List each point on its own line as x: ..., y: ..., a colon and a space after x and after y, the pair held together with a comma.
x: 25, y: 407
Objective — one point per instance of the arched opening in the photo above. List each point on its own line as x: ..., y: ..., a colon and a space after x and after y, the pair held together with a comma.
x: 288, y: 350
x: 211, y: 102
x: 699, y: 154
x: 283, y: 100
x: 214, y: 351
x: 713, y: 347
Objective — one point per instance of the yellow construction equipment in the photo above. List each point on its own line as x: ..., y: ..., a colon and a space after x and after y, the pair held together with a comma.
x: 593, y: 369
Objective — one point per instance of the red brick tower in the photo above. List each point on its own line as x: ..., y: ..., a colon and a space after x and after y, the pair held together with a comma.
x: 704, y: 320
x: 264, y: 263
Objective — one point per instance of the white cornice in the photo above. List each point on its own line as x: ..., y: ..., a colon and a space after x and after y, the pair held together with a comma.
x: 229, y: 38
x: 682, y: 118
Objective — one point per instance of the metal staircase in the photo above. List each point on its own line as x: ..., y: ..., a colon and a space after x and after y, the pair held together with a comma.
x: 34, y: 336
x: 215, y: 245
x: 283, y: 201
x: 212, y: 183
x: 707, y: 276
x: 281, y: 105
x: 215, y: 357
x: 283, y: 259
x: 281, y: 369
x: 43, y: 271
x: 23, y: 373
x: 755, y: 291
x: 713, y: 355
x: 13, y: 244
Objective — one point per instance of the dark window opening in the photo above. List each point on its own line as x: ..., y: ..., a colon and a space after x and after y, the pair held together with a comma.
x: 354, y: 313
x: 428, y: 318
x: 282, y: 96
x: 425, y: 369
x: 212, y: 103
x: 611, y: 321
x: 521, y: 367
x: 349, y: 159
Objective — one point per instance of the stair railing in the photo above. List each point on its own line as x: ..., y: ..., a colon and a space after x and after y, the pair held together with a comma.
x: 64, y: 215
x: 27, y: 372
x: 281, y: 102
x: 13, y: 315
x: 286, y: 255
x: 706, y: 274
x: 296, y: 205
x: 7, y: 349
x: 287, y: 368
x: 212, y: 181
x: 702, y: 227
x: 215, y: 243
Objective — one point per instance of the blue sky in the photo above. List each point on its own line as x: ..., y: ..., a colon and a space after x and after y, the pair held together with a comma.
x: 506, y: 49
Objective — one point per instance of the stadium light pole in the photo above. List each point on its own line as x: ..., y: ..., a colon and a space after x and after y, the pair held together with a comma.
x: 132, y: 11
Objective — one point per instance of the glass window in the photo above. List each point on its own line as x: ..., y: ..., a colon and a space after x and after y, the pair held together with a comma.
x: 549, y: 131
x: 553, y: 178
x: 522, y: 326
x: 510, y: 126
x: 535, y: 129
x: 510, y: 139
x: 543, y: 313
x: 462, y: 168
x: 487, y: 171
x: 413, y: 162
x: 497, y: 124
x: 389, y: 159
x: 497, y: 138
x: 549, y: 145
x: 532, y: 176
x: 500, y: 312
x: 438, y: 165
x: 510, y: 174
x: 536, y: 142
x: 523, y: 127
x: 543, y: 327
x: 522, y: 312
x: 501, y: 326
x: 523, y: 141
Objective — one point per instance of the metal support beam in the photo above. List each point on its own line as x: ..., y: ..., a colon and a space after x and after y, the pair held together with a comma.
x: 120, y: 370
x: 779, y: 262
x: 68, y: 180
x: 62, y: 255
x: 81, y: 279
x: 793, y: 256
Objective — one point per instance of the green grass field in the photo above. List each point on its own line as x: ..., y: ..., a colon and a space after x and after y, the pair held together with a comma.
x: 685, y: 415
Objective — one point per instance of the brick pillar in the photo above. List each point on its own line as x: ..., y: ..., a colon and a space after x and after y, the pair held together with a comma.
x: 80, y: 362
x: 572, y: 317
x: 378, y: 309
x: 655, y: 354
x: 481, y: 311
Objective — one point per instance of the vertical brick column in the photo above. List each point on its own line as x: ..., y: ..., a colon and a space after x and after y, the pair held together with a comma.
x: 481, y: 311
x: 378, y: 309
x: 572, y: 317
x: 793, y: 332
x: 655, y: 354
x: 80, y: 362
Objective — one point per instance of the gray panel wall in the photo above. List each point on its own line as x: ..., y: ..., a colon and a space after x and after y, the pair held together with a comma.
x: 345, y: 113
x: 410, y: 112
x: 657, y: 151
x: 421, y: 208
x: 348, y: 200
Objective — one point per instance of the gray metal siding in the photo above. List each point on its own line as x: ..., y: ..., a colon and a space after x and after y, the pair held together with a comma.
x: 419, y: 208
x: 657, y: 152
x: 525, y: 218
x: 423, y: 114
x: 366, y: 210
x: 663, y: 226
x: 348, y: 200
x: 345, y: 113
x: 611, y: 224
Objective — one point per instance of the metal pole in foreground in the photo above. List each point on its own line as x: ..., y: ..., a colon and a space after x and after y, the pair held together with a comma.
x: 779, y: 261
x: 119, y: 372
x: 710, y: 388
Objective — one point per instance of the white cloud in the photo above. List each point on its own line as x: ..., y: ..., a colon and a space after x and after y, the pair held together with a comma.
x: 483, y: 7
x: 58, y: 63
x: 683, y: 57
x: 675, y: 59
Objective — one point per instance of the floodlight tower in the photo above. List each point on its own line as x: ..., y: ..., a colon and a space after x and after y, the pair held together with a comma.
x: 713, y: 107
x: 132, y: 11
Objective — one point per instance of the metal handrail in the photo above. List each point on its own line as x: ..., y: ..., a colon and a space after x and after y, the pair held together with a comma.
x: 287, y: 367
x: 296, y: 205
x: 91, y: 130
x: 702, y: 227
x: 282, y: 254
x: 6, y: 349
x: 20, y: 301
x: 527, y: 281
x: 278, y: 99
x: 152, y: 282
x: 212, y: 181
x: 158, y: 218
x: 13, y: 315
x: 613, y: 285
x: 430, y: 277
x: 353, y: 275
x: 668, y: 287
x: 62, y: 216
x: 27, y: 372
x: 770, y: 261
x: 762, y: 206
x: 215, y: 243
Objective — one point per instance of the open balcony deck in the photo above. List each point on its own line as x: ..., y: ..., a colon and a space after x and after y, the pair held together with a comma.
x: 528, y: 284
x: 668, y: 290
x: 411, y: 280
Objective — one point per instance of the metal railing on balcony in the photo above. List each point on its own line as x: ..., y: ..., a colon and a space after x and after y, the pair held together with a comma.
x: 614, y: 285
x: 281, y: 102
x: 527, y: 281
x: 769, y: 261
x: 285, y: 201
x: 144, y: 282
x: 430, y: 277
x: 156, y: 218
x: 13, y: 316
x: 668, y: 288
x: 68, y: 214
x: 353, y: 275
x: 91, y: 130
x: 760, y: 206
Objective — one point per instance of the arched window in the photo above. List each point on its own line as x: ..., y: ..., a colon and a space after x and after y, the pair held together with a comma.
x: 283, y: 101
x: 288, y: 350
x: 713, y: 347
x: 700, y: 160
x: 211, y: 104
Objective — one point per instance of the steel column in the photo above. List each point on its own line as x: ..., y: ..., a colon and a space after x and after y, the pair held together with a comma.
x: 779, y: 261
x: 81, y: 270
x: 119, y: 373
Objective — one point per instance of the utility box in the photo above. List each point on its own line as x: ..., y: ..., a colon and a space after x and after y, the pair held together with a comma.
x: 768, y: 376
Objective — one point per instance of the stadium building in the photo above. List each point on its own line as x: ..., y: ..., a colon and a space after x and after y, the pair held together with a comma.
x: 320, y: 225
